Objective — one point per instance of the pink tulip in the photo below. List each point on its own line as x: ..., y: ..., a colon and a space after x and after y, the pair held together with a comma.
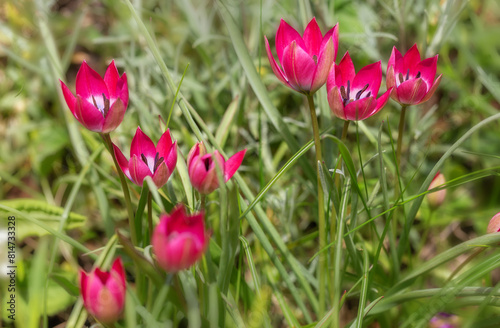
x: 179, y: 240
x: 412, y: 79
x: 147, y: 160
x: 100, y: 104
x: 437, y: 198
x: 305, y: 60
x: 352, y: 96
x: 103, y: 292
x: 494, y: 225
x: 202, y: 167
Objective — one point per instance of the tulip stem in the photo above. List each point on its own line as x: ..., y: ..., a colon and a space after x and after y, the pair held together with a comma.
x: 400, y: 136
x: 321, y: 211
x: 203, y: 201
x: 126, y: 193
x: 150, y: 218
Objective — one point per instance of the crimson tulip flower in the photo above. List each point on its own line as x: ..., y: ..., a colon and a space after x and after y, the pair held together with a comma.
x: 179, y: 240
x: 202, y: 167
x: 305, y: 60
x: 103, y: 292
x: 412, y: 79
x: 100, y: 103
x: 352, y: 96
x: 147, y: 160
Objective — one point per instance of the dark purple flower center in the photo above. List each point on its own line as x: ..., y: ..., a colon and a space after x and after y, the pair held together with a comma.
x: 407, y: 77
x: 315, y: 58
x: 346, y: 94
x: 207, y: 161
x: 102, y: 106
x: 157, y: 161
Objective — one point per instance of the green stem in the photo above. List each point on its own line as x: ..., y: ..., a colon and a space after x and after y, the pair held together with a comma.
x: 126, y: 193
x: 333, y: 221
x: 203, y: 201
x: 322, y: 269
x: 150, y: 218
x: 400, y: 135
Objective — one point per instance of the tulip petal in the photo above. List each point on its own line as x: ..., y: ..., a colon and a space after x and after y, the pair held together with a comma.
x: 69, y: 97
x: 412, y: 91
x: 370, y: 75
x: 138, y: 170
x: 332, y: 34
x: 299, y: 67
x: 122, y: 89
x: 232, y: 164
x: 110, y: 79
x: 411, y: 60
x: 325, y: 62
x: 161, y: 175
x: 344, y: 71
x: 122, y: 161
x: 356, y: 110
x: 90, y: 84
x: 142, y: 145
x: 114, y: 117
x: 335, y: 102
x: 427, y: 69
x: 396, y: 61
x: 381, y: 101
x: 197, y: 150
x: 88, y: 115
x: 164, y: 144
x: 274, y: 66
x: 432, y: 89
x: 285, y: 35
x: 312, y: 38
x: 391, y: 81
x: 83, y: 286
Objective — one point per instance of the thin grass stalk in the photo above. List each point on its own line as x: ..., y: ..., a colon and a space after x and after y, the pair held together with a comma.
x: 322, y: 266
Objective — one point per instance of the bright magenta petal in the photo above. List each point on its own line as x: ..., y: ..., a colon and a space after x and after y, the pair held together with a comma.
x: 90, y: 84
x: 345, y: 71
x: 161, y: 175
x: 432, y: 89
x: 411, y: 60
x: 284, y: 36
x: 110, y: 79
x: 335, y: 102
x: 122, y: 161
x: 370, y: 75
x: 164, y: 144
x: 312, y: 38
x: 69, y: 97
x: 88, y: 115
x: 427, y: 69
x: 142, y: 145
x: 299, y: 67
x: 356, y: 110
x: 138, y: 170
x: 274, y: 66
x: 411, y: 92
x: 325, y: 62
x: 115, y: 117
x: 232, y: 164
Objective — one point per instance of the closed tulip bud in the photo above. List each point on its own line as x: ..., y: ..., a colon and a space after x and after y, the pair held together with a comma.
x: 494, y: 225
x: 100, y: 103
x: 179, y: 240
x: 202, y: 167
x: 437, y: 198
x: 103, y: 292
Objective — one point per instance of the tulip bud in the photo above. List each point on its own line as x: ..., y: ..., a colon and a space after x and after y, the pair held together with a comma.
x: 179, y: 240
x: 103, y: 292
x: 202, y: 167
x: 494, y: 225
x: 437, y: 198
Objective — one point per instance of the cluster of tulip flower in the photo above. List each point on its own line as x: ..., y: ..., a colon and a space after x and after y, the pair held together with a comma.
x: 308, y: 62
x: 179, y: 240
